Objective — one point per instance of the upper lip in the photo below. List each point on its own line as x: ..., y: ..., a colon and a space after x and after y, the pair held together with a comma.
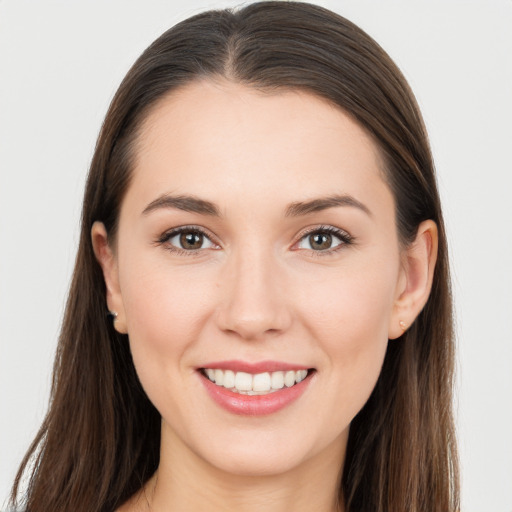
x: 254, y: 367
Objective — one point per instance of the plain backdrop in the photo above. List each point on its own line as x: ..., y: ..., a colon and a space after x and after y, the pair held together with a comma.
x: 60, y: 64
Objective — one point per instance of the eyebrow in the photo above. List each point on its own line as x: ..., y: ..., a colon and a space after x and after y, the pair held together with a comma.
x: 185, y: 203
x: 196, y: 205
x: 323, y: 203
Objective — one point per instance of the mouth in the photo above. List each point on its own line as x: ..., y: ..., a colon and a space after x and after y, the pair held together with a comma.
x: 254, y: 384
x: 247, y: 389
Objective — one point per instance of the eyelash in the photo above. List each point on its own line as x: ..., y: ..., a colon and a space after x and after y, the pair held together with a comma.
x: 344, y: 237
x: 168, y: 235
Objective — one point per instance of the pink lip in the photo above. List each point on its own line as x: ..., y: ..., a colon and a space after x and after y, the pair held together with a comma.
x: 254, y: 405
x: 259, y: 367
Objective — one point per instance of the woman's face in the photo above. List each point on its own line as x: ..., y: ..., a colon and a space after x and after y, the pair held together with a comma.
x: 257, y: 237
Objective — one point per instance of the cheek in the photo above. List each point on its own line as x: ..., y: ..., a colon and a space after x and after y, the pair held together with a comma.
x: 165, y: 309
x: 349, y: 315
x: 352, y: 303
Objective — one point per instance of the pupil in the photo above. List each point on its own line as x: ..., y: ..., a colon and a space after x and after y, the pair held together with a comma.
x: 320, y: 241
x: 191, y: 240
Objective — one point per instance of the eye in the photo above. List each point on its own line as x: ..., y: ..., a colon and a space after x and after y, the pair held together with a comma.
x: 187, y: 239
x: 191, y: 241
x: 324, y: 239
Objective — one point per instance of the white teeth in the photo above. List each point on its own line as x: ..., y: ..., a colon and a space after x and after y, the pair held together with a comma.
x: 258, y: 384
x: 261, y: 382
x: 229, y: 379
x: 219, y: 377
x: 243, y: 381
x: 277, y: 380
x: 300, y: 375
x: 289, y: 379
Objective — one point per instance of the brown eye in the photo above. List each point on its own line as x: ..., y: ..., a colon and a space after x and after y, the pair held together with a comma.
x: 320, y: 241
x: 188, y: 240
x: 324, y: 239
x: 191, y: 241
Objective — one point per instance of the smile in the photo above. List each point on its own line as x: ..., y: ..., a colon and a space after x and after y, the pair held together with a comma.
x: 255, y: 389
x: 259, y: 384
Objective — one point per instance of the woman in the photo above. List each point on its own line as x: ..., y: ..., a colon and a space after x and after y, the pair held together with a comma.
x: 262, y: 223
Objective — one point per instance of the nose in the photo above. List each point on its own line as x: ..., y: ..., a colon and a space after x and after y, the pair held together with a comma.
x: 254, y: 301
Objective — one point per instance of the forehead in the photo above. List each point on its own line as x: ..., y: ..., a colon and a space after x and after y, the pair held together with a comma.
x: 212, y: 137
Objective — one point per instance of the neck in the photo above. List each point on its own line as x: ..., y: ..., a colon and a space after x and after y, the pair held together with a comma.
x: 184, y: 481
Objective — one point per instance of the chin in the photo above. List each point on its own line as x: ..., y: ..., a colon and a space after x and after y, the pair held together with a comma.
x: 270, y: 454
x: 264, y: 463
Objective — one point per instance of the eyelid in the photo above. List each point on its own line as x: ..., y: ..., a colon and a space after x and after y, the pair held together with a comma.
x: 164, y: 238
x: 344, y: 236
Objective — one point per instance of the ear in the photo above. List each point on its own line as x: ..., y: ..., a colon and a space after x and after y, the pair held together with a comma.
x: 108, y: 262
x: 415, y: 280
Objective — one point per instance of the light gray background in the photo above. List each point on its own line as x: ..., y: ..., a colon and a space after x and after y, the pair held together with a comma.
x: 60, y: 63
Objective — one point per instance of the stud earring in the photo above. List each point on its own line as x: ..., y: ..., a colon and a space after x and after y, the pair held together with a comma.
x: 113, y: 315
x: 402, y: 325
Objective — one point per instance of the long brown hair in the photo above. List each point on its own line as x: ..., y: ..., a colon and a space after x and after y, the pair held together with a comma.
x: 99, y: 442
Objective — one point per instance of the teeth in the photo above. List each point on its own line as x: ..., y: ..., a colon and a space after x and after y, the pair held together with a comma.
x: 219, y: 377
x: 277, y: 380
x: 243, y: 381
x: 300, y: 375
x: 289, y: 379
x: 229, y: 379
x: 259, y: 384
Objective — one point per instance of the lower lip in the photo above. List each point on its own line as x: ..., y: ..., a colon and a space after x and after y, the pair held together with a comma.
x: 255, y: 405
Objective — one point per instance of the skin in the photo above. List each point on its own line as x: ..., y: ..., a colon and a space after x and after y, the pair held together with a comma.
x: 258, y: 291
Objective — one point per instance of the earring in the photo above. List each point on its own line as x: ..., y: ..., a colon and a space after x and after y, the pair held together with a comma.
x: 402, y: 325
x: 113, y: 315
